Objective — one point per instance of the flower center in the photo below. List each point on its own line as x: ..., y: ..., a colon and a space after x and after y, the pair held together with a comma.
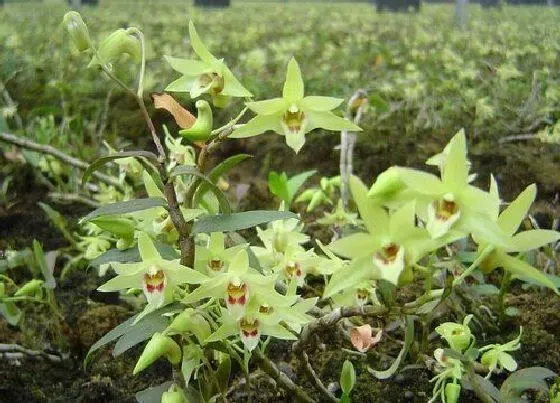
x: 249, y: 328
x: 294, y: 120
x: 388, y: 254
x: 293, y: 269
x: 213, y: 80
x: 266, y: 309
x: 445, y: 209
x: 216, y: 265
x: 237, y: 294
x: 155, y: 282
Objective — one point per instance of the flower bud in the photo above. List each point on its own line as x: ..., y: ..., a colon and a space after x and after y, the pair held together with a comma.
x: 173, y: 395
x: 452, y: 392
x: 78, y: 30
x: 159, y: 345
x: 117, y: 44
x: 190, y: 321
x: 457, y: 335
x: 30, y: 288
x: 202, y: 128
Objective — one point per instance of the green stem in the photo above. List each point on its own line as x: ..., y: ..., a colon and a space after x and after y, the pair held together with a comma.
x: 506, y: 280
x: 485, y: 252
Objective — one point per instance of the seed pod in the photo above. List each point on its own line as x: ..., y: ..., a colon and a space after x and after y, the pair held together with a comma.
x: 77, y: 29
x: 117, y: 44
x: 158, y: 346
x: 202, y: 128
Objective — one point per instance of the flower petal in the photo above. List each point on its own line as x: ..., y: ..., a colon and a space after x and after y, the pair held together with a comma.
x: 148, y: 251
x: 187, y: 67
x: 183, y: 84
x: 329, y: 121
x: 533, y: 239
x: 268, y: 107
x: 321, y: 104
x: 232, y: 86
x: 199, y: 47
x: 293, y: 87
x: 511, y: 217
x: 122, y: 282
x: 258, y: 125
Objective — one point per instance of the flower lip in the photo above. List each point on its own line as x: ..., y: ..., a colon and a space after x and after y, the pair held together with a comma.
x: 294, y: 120
x: 216, y: 265
x: 249, y: 328
x: 213, y: 81
x: 237, y: 294
x: 154, y: 280
x: 388, y: 254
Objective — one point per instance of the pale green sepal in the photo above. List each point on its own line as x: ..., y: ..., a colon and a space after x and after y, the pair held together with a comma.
x: 183, y: 84
x: 240, y: 263
x: 199, y: 47
x: 353, y: 246
x: 521, y: 269
x: 402, y: 221
x: 147, y: 248
x: 232, y: 86
x: 277, y: 331
x: 122, y: 282
x: 358, y: 270
x: 269, y: 107
x: 226, y: 330
x: 321, y: 104
x: 456, y: 167
x: 258, y: 125
x: 533, y: 239
x: 374, y: 216
x: 513, y: 215
x: 421, y: 182
x: 329, y: 121
x: 293, y: 87
x: 188, y: 67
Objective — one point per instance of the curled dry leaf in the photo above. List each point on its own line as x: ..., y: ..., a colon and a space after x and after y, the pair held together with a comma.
x: 184, y: 119
x: 362, y: 338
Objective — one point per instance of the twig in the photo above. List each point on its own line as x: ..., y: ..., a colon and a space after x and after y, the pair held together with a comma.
x: 10, y: 102
x: 517, y: 137
x: 46, y: 149
x: 15, y: 351
x: 272, y: 370
x: 73, y: 198
x: 318, y: 383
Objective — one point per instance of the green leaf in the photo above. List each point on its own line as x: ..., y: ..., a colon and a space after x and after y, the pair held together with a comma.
x: 238, y: 221
x: 278, y: 186
x: 142, y: 330
x: 529, y: 378
x: 153, y: 394
x: 94, y: 166
x: 223, y: 372
x: 130, y: 255
x: 58, y: 220
x: 486, y: 386
x: 129, y: 206
x: 293, y: 87
x: 193, y: 171
x: 153, y: 320
x: 216, y: 172
x: 408, y: 339
x: 296, y: 181
x: 10, y: 312
x: 119, y: 226
x: 46, y: 268
x: 347, y: 377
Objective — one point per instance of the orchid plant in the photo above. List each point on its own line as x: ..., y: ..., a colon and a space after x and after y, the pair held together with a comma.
x: 212, y: 297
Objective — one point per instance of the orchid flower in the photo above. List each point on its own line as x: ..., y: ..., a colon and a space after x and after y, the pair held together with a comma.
x: 214, y: 258
x: 391, y: 244
x: 294, y: 115
x: 236, y: 285
x: 450, y: 202
x: 207, y: 75
x: 154, y: 275
x: 509, y: 221
x: 496, y: 358
x: 458, y: 336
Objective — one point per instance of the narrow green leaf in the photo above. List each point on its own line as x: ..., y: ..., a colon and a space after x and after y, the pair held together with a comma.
x: 129, y: 206
x: 215, y: 174
x: 10, y: 312
x: 238, y: 221
x: 142, y: 330
x: 193, y: 171
x: 46, y: 269
x: 131, y: 255
x: 94, y: 166
x: 408, y: 338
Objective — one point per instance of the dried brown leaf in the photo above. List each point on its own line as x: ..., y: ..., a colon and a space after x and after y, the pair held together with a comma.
x: 183, y: 117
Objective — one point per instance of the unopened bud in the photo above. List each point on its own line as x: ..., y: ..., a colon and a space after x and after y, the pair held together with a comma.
x: 117, y: 44
x: 78, y: 30
x: 452, y: 392
x: 158, y: 346
x: 173, y: 395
